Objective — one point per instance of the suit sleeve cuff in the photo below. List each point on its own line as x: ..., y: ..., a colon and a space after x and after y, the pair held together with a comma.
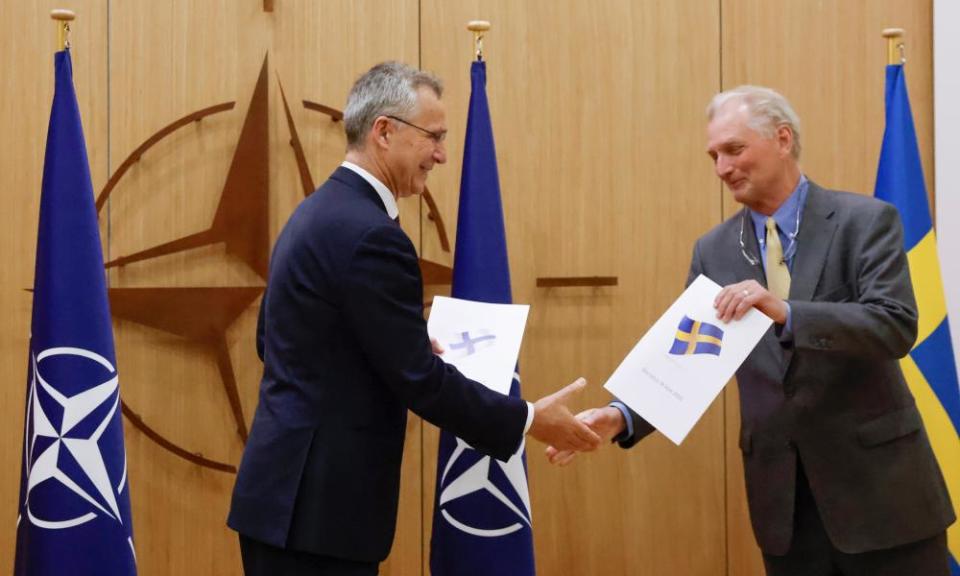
x: 627, y: 434
x: 530, y: 410
x: 785, y: 332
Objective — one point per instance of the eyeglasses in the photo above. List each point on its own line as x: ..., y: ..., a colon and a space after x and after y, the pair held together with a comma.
x: 438, y: 137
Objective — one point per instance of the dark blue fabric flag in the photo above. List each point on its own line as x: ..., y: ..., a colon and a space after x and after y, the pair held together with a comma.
x: 481, y: 518
x: 930, y: 368
x: 74, y: 508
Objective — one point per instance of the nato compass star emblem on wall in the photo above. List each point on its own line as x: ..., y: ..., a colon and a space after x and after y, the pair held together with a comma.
x: 202, y: 315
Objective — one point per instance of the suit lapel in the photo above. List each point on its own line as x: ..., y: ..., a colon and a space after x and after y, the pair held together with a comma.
x: 817, y: 227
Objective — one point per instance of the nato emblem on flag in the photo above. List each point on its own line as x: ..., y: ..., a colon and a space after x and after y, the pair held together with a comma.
x: 694, y: 337
x: 74, y: 508
x: 482, y: 520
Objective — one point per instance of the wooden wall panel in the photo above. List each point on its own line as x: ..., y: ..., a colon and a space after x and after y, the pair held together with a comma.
x: 596, y: 113
x: 167, y: 60
x: 27, y: 63
x: 314, y: 50
x: 828, y: 59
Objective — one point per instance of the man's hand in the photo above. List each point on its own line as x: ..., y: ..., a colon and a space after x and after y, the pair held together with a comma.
x: 437, y: 348
x: 736, y: 299
x: 555, y: 425
x: 607, y: 422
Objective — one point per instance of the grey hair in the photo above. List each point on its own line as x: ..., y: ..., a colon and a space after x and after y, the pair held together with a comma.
x: 767, y: 110
x: 387, y: 89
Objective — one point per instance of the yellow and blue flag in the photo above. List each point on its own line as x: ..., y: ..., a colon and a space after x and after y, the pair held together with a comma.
x: 695, y: 337
x: 481, y: 515
x: 74, y: 508
x: 930, y: 368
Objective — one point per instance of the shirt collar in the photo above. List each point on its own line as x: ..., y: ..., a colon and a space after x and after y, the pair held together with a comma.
x: 389, y: 202
x: 787, y: 215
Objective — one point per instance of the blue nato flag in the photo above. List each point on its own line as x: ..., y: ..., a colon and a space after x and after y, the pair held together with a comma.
x: 74, y: 506
x: 481, y: 519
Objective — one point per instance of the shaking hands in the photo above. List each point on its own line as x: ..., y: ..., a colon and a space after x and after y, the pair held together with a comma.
x: 606, y: 423
x: 554, y: 424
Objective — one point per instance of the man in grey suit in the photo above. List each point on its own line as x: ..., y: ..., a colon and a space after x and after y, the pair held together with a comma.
x: 840, y: 475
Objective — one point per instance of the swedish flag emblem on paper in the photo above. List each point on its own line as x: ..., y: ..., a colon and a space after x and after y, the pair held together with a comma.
x: 694, y: 337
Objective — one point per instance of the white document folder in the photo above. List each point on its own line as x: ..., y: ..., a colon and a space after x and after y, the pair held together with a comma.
x: 482, y: 340
x: 680, y: 365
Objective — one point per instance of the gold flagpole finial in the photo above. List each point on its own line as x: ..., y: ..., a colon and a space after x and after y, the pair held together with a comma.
x: 895, y: 45
x: 63, y: 18
x: 478, y: 27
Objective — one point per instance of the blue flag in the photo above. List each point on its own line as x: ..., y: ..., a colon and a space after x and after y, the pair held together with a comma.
x: 74, y: 508
x: 930, y: 368
x: 481, y: 515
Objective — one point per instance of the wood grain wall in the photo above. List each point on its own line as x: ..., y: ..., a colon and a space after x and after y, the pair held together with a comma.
x: 598, y: 115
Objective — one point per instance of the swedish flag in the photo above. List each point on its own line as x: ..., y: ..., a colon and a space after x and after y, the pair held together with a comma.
x: 694, y: 337
x: 930, y: 368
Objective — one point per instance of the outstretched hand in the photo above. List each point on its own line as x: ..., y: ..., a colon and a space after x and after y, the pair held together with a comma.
x: 554, y: 424
x: 607, y: 422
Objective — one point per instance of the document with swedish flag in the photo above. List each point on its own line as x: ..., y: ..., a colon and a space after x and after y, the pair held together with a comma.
x: 680, y: 365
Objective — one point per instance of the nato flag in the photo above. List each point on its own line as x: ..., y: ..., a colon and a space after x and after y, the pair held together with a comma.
x: 481, y: 518
x: 74, y: 507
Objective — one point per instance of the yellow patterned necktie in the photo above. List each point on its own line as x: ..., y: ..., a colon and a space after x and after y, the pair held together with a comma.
x: 778, y: 275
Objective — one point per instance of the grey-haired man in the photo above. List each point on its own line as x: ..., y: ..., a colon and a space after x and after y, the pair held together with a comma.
x: 840, y: 475
x: 346, y: 353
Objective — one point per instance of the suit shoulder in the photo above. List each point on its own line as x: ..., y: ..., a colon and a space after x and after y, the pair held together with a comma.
x: 855, y: 201
x: 328, y: 227
x: 860, y: 208
x: 341, y: 211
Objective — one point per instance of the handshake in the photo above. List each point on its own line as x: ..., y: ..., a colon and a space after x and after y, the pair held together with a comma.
x: 566, y: 434
x: 562, y: 432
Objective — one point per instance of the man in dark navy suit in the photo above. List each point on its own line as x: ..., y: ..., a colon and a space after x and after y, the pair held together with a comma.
x: 346, y: 353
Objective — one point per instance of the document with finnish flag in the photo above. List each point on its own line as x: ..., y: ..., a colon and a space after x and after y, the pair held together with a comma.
x: 680, y: 365
x: 482, y: 340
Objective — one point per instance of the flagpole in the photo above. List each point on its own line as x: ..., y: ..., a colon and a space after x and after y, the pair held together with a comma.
x: 895, y: 45
x: 63, y: 18
x: 478, y: 27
